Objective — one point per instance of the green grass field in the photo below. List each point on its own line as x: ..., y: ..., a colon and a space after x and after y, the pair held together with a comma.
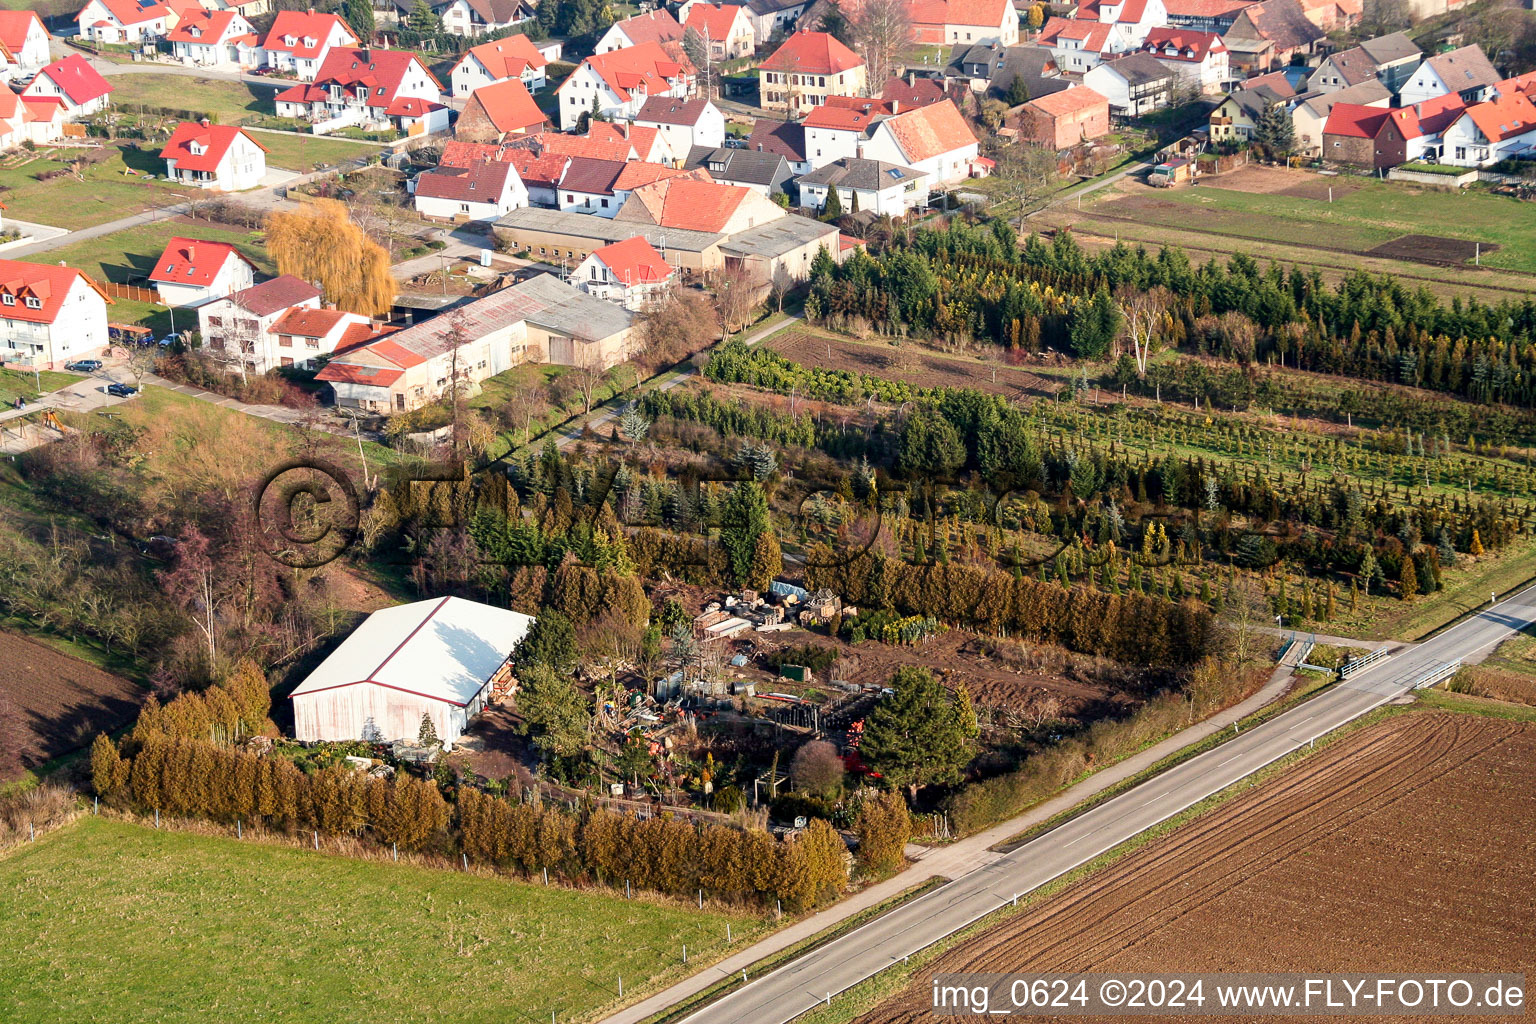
x: 23, y: 383
x: 118, y: 187
x: 114, y: 921
x: 130, y: 254
x: 308, y: 152
x: 221, y: 99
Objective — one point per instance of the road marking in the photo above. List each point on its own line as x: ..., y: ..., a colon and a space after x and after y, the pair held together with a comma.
x: 1077, y: 840
x: 1299, y: 724
x: 1228, y: 760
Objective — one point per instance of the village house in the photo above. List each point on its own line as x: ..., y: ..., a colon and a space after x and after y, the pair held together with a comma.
x: 1268, y: 35
x: 78, y: 87
x: 808, y: 68
x: 1035, y: 64
x: 646, y: 142
x: 25, y: 40
x: 764, y: 173
x: 1390, y: 58
x: 303, y: 336
x: 369, y: 89
x: 542, y: 319
x: 123, y: 21
x: 950, y: 22
x: 657, y: 27
x: 1078, y: 46
x: 785, y: 138
x: 631, y: 273
x: 587, y: 186
x: 1064, y: 119
x: 866, y: 186
x: 192, y: 271
x: 214, y: 156
x: 1199, y: 59
x: 514, y: 57
x: 478, y: 193
x: 616, y: 84
x: 243, y: 320
x: 1134, y: 83
x: 683, y: 123
x: 1310, y: 112
x: 835, y: 131
x: 298, y: 42
x: 49, y: 314
x: 772, y: 20
x: 726, y: 28
x: 1371, y: 138
x: 934, y: 139
x: 469, y: 18
x: 1486, y: 133
x: 215, y: 39
x: 495, y: 113
x: 696, y: 205
x: 1465, y: 72
x: 1205, y: 15
x: 1237, y: 117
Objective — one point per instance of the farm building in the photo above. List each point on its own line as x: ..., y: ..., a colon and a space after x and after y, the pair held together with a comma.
x: 439, y: 658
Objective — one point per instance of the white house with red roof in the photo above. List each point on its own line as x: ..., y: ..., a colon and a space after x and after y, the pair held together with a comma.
x: 298, y: 42
x: 683, y: 123
x: 646, y: 141
x: 123, y: 21
x: 1099, y: 30
x: 242, y: 320
x: 193, y: 271
x: 38, y: 120
x: 304, y: 334
x: 25, y: 39
x: 727, y: 28
x: 631, y: 273
x: 1198, y: 58
x: 934, y: 139
x: 215, y: 39
x: 214, y: 156
x: 656, y: 27
x: 947, y: 22
x: 808, y: 68
x: 480, y: 192
x: 488, y: 63
x: 1486, y: 133
x: 49, y: 313
x: 617, y: 83
x: 372, y: 89
x: 77, y: 86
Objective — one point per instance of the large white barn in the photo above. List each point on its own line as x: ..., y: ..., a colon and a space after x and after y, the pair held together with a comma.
x: 437, y: 657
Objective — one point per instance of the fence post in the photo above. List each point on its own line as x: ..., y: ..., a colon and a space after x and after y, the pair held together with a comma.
x: 239, y: 829
x: 621, y: 986
x: 32, y: 838
x: 685, y: 952
x: 626, y: 888
x: 727, y: 932
x: 96, y: 807
x: 317, y: 839
x: 395, y: 849
x: 701, y: 899
x: 465, y: 858
x: 546, y: 876
x: 157, y: 817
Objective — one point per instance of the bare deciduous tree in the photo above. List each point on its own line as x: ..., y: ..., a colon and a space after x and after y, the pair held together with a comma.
x: 881, y: 31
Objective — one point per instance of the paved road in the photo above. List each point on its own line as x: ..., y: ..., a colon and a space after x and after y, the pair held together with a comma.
x: 799, y: 986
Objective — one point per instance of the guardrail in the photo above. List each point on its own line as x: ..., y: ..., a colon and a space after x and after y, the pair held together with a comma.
x: 1439, y: 673
x: 1360, y: 664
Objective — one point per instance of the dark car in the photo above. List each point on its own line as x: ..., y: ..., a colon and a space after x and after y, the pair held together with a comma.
x: 83, y: 365
x: 122, y: 390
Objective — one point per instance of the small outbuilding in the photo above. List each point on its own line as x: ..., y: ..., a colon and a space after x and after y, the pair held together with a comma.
x: 440, y: 658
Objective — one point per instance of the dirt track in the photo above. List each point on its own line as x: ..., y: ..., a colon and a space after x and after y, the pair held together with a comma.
x: 1406, y: 847
x: 51, y: 703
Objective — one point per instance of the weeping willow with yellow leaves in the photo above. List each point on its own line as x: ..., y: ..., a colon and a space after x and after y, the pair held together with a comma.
x: 320, y: 244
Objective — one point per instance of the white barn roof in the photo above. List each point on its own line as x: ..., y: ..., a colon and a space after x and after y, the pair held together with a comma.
x: 445, y: 649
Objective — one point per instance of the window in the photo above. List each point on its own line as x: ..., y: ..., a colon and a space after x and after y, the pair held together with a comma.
x: 285, y: 341
x: 605, y: 204
x: 464, y: 207
x: 9, y: 300
x: 311, y: 342
x: 285, y: 361
x: 34, y: 302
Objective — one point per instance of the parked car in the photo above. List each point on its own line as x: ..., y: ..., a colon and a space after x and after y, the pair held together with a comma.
x: 122, y: 390
x: 83, y: 365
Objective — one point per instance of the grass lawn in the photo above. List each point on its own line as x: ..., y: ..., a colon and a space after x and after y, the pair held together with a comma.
x: 220, y: 99
x: 536, y: 379
x: 20, y: 382
x: 118, y: 187
x: 114, y: 921
x: 308, y: 152
x: 1517, y: 654
x: 129, y: 255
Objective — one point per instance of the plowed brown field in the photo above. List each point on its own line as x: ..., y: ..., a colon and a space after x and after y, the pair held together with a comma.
x: 51, y: 703
x: 1409, y: 846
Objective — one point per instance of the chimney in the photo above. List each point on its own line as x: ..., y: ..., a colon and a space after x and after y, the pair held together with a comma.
x: 311, y: 10
x: 895, y: 106
x: 204, y: 122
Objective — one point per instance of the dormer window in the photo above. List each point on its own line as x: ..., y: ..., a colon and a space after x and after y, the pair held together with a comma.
x: 289, y: 41
x: 33, y: 302
x: 196, y: 148
x: 8, y: 299
x: 310, y: 41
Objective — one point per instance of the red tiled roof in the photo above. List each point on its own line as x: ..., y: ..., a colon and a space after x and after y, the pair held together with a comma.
x: 1093, y: 35
x: 131, y: 12
x: 462, y: 154
x: 919, y: 93
x: 302, y: 25
x: 844, y: 118
x: 48, y: 283
x: 602, y: 148
x: 657, y: 27
x: 1355, y: 121
x: 711, y: 20
x: 928, y: 131
x: 671, y: 110
x: 593, y: 177
x: 42, y: 108
x: 206, y: 27
x: 847, y: 243
x: 645, y: 64
x: 192, y: 261
x: 815, y: 53
x: 1069, y: 101
x: 482, y: 182
x: 214, y: 139
x: 537, y: 168
x: 1188, y: 45
x: 14, y: 26
x: 638, y: 172
x: 358, y: 335
x: 510, y: 106
x: 396, y: 353
x: 282, y: 292
x: 1205, y: 8
x: 980, y: 13
x: 640, y: 138
x: 1504, y: 118
x: 341, y: 372
x: 1525, y: 83
x: 1132, y: 11
x: 693, y: 205
x: 411, y: 106
x: 307, y: 322
x: 1438, y: 114
x: 509, y: 57
x: 634, y: 261
x: 349, y: 67
x: 76, y: 78
x: 1275, y: 81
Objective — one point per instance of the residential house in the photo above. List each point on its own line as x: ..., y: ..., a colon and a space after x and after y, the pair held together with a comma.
x: 808, y: 68
x: 541, y: 319
x: 1436, y: 119
x: 478, y: 193
x: 952, y: 22
x: 1236, y: 118
x: 193, y: 271
x: 657, y: 27
x: 694, y: 205
x: 1061, y: 120
x: 1371, y: 138
x: 727, y: 28
x: 835, y: 131
x: 762, y: 172
x: 779, y: 254
x: 298, y: 42
x: 907, y: 93
x: 541, y: 173
x: 1391, y: 58
x: 772, y: 20
x: 25, y: 39
x: 1310, y: 112
x: 123, y: 21
x: 935, y: 139
x: 49, y: 313
x: 470, y: 18
x: 1099, y: 29
x: 1135, y: 84
x: 617, y: 83
x: 498, y: 112
x: 1333, y: 15
x: 645, y: 141
x: 215, y: 39
x: 1036, y: 65
x: 683, y: 123
x: 1396, y: 58
x: 514, y: 57
x: 41, y: 118
x: 866, y: 186
x: 303, y: 336
x: 214, y: 156
x: 587, y: 186
x: 1268, y: 34
x: 1465, y: 72
x: 1199, y: 59
x: 631, y: 273
x: 78, y: 87
x: 600, y: 145
x: 1078, y: 45
x: 1486, y: 133
x: 974, y: 64
x: 1205, y: 15
x: 243, y: 319
x: 785, y: 138
x: 369, y: 88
